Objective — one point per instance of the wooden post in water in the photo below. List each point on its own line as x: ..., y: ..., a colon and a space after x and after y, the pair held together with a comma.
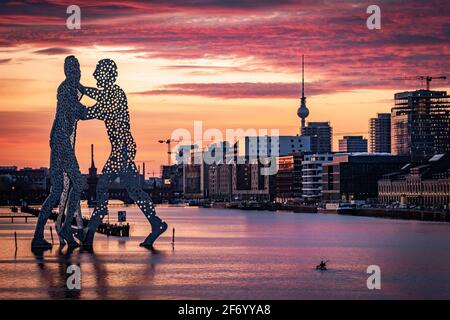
x: 173, y: 236
x: 51, y: 233
x: 15, y: 239
x: 26, y: 219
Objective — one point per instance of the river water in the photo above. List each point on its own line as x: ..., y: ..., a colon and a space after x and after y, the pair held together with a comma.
x: 233, y: 254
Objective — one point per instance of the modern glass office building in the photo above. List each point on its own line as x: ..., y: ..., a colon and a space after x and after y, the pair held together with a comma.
x: 420, y: 123
x: 380, y: 133
x: 321, y: 134
x: 353, y: 144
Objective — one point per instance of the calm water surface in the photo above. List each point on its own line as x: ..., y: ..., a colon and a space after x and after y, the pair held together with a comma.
x: 233, y: 254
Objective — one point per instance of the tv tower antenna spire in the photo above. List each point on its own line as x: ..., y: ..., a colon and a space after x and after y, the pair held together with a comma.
x: 303, y: 76
x: 302, y: 111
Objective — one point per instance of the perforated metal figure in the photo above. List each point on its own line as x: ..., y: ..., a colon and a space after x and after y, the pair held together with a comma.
x: 62, y: 156
x: 112, y: 108
x: 63, y: 202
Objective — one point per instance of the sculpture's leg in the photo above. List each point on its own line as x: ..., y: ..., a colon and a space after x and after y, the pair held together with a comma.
x: 62, y: 208
x: 78, y: 216
x: 143, y: 200
x: 78, y: 231
x: 57, y: 184
x: 101, y: 209
x: 74, y: 174
x: 58, y: 226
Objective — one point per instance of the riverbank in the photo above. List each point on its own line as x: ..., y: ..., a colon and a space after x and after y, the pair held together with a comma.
x: 263, y: 206
x: 400, y: 214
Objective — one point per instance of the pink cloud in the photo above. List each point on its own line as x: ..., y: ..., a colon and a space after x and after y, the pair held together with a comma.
x: 413, y: 39
x: 264, y: 90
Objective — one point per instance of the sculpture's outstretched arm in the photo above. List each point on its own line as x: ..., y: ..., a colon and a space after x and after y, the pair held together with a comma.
x: 94, y: 112
x: 92, y: 93
x: 97, y: 111
x: 78, y: 109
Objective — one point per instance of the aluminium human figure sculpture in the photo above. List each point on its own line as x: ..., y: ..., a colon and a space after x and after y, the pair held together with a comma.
x: 62, y: 207
x: 112, y: 108
x: 62, y: 156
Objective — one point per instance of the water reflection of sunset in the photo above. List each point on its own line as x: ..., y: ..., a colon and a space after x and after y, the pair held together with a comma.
x: 235, y: 254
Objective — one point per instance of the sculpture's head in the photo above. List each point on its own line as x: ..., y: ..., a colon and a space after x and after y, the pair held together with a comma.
x: 72, y: 69
x: 105, y: 73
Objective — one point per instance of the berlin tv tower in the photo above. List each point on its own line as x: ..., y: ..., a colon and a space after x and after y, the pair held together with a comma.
x: 302, y: 111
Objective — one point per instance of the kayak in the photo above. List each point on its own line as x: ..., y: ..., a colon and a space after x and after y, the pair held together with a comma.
x: 321, y: 268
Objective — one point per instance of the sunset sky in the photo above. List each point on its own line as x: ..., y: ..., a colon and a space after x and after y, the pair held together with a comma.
x: 231, y: 64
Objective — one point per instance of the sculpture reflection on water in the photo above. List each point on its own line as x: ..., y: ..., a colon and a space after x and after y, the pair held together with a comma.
x: 111, y: 107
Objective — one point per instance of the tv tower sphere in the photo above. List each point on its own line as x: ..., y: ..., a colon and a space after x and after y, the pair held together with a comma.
x: 302, y: 111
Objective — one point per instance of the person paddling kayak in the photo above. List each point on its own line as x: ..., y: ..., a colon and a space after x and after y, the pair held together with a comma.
x: 322, y: 265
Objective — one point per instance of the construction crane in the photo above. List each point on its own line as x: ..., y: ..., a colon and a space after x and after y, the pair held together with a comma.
x: 427, y: 79
x: 169, y: 149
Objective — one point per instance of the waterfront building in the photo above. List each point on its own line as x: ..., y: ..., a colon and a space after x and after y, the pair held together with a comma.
x: 321, y: 136
x: 380, y: 133
x: 192, y: 181
x: 184, y: 152
x: 249, y: 184
x: 153, y: 183
x: 288, y: 179
x: 241, y: 173
x: 426, y: 184
x: 353, y: 144
x: 312, y: 180
x: 220, y: 182
x: 35, y: 179
x: 355, y: 176
x: 172, y: 178
x: 420, y: 123
x: 7, y: 169
x: 219, y: 152
x: 195, y: 175
x: 252, y: 147
x: 27, y: 178
x: 28, y: 184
